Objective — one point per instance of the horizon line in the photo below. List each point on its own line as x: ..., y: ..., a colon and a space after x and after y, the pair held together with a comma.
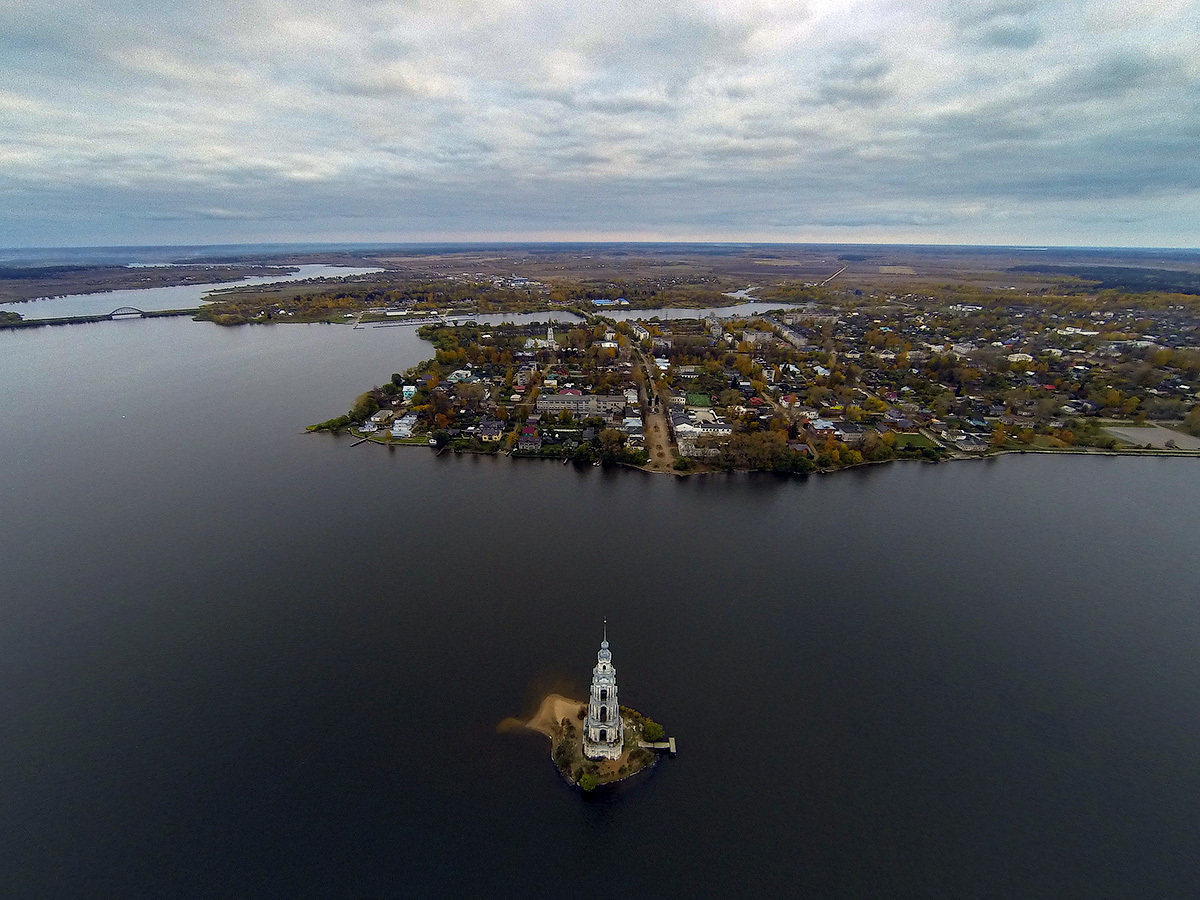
x: 479, y: 242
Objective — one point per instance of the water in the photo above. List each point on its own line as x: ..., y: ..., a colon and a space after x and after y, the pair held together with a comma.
x: 236, y: 659
x: 183, y: 296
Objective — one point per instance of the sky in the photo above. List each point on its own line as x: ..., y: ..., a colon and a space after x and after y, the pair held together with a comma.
x: 922, y: 121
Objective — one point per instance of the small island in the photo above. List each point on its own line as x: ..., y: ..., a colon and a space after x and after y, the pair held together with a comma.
x: 599, y: 742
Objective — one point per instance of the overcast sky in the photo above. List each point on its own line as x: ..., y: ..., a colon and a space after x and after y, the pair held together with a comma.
x: 129, y: 121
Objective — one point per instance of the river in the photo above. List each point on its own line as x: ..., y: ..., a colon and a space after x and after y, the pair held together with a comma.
x: 241, y: 660
x: 182, y: 296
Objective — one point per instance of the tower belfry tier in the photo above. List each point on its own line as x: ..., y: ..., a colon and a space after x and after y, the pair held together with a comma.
x: 603, y: 732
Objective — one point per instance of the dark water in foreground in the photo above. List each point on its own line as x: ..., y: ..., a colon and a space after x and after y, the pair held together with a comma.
x: 236, y: 660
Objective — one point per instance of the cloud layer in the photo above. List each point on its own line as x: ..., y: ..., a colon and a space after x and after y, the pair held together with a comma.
x: 1010, y: 122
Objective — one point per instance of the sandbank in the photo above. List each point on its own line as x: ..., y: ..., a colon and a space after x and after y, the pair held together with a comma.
x: 553, y: 710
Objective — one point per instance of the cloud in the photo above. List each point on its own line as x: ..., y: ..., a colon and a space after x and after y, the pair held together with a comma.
x: 275, y: 119
x: 858, y: 81
x: 1009, y: 36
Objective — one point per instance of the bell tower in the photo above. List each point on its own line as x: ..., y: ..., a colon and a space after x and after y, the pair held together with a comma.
x: 604, y: 732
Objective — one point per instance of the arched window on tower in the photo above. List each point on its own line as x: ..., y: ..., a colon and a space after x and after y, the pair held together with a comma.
x: 603, y: 736
x: 603, y: 714
x: 603, y: 693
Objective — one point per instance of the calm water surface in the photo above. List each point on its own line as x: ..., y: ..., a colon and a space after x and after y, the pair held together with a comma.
x: 239, y: 660
x: 180, y: 296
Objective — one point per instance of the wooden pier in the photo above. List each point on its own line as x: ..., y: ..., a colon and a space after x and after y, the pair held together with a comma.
x: 668, y: 745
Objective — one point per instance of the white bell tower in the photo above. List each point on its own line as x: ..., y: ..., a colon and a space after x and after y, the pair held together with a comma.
x: 603, y: 732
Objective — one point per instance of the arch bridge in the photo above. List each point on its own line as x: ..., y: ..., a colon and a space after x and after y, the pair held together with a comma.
x: 126, y: 312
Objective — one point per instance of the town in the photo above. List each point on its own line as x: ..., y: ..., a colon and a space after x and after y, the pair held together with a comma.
x: 820, y: 385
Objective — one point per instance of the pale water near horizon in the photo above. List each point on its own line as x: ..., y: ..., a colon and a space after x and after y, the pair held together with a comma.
x: 237, y: 659
x: 180, y: 296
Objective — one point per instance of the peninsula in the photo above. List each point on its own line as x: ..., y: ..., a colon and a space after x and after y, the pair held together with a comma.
x: 826, y: 379
x: 19, y: 284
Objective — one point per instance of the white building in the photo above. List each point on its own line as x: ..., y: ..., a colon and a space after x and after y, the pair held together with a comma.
x: 403, y: 427
x: 603, y: 732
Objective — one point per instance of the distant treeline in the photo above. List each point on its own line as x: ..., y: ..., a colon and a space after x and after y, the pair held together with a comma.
x: 1125, y: 278
x: 26, y: 272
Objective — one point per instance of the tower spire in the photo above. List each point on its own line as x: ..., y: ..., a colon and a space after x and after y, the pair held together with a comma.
x: 606, y: 628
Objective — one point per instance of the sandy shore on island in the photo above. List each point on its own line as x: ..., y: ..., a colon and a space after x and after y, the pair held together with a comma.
x: 553, y: 710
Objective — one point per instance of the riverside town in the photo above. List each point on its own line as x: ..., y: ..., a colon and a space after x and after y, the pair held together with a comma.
x: 827, y: 380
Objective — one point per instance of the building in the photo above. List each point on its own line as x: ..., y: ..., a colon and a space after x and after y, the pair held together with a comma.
x: 581, y: 406
x: 758, y: 338
x: 603, y: 731
x: 852, y: 434
x: 821, y: 429
x: 548, y: 344
x: 688, y: 447
x: 716, y: 427
x: 403, y: 427
x: 529, y: 439
x: 490, y: 430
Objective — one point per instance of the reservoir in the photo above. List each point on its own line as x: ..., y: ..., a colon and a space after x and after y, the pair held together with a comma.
x: 238, y: 659
x: 182, y: 296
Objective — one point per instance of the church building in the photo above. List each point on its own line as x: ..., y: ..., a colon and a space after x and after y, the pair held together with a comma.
x: 603, y: 732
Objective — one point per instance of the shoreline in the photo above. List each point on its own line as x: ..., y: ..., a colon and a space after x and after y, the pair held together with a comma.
x: 1134, y: 452
x: 560, y: 719
x: 552, y: 710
